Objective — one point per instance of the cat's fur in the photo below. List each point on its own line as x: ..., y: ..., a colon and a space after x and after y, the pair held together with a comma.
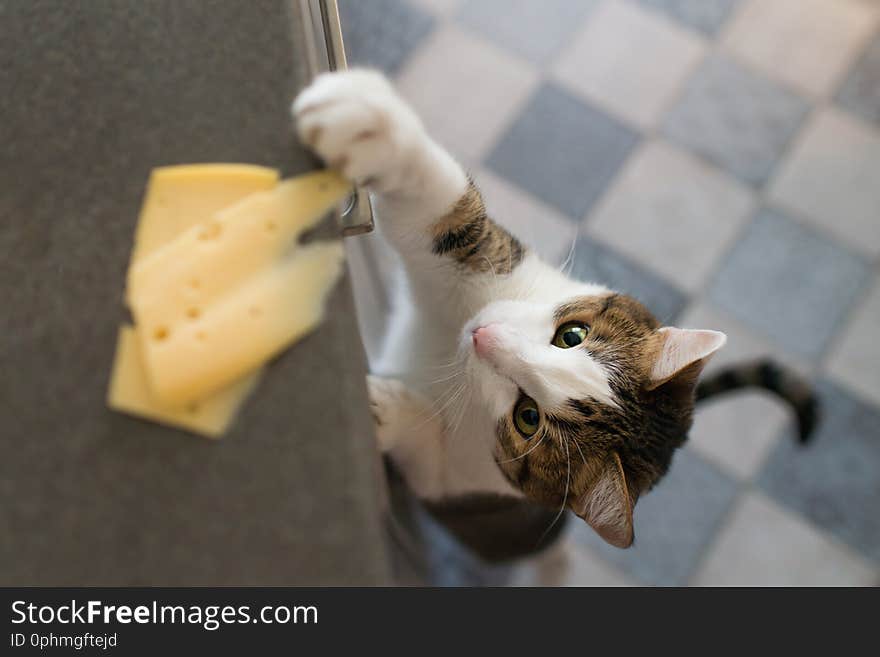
x: 472, y: 335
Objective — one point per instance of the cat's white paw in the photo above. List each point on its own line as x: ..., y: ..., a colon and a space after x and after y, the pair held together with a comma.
x: 356, y: 122
x: 388, y: 401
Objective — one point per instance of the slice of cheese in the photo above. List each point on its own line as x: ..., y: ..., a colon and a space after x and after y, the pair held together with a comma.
x: 230, y: 293
x: 130, y: 393
x: 179, y: 197
x: 188, y: 358
x: 206, y: 261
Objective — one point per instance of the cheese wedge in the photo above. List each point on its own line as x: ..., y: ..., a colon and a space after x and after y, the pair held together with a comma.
x: 179, y: 197
x: 130, y: 393
x: 235, y: 290
x: 205, y: 261
x: 189, y: 358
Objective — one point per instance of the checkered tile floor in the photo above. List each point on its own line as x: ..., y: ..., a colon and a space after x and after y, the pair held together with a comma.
x: 719, y: 159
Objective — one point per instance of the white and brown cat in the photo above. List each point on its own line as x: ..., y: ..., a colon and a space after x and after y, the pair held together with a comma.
x: 500, y: 374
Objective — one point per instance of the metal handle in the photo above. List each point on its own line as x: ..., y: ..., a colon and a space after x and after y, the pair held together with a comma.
x: 326, y: 52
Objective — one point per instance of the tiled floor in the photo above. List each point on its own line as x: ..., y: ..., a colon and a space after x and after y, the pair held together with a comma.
x: 719, y: 159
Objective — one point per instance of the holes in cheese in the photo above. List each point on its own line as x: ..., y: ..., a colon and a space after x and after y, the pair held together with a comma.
x: 217, y: 285
x: 130, y: 393
x: 178, y: 198
x: 254, y: 293
x: 238, y: 243
x: 209, y: 231
x: 252, y: 323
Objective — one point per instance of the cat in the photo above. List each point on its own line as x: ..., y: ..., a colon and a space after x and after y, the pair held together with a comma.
x: 499, y: 374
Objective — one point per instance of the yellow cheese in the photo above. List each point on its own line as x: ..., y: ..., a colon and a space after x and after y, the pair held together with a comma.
x: 190, y: 357
x: 179, y: 197
x: 230, y: 293
x: 204, y: 262
x: 130, y: 393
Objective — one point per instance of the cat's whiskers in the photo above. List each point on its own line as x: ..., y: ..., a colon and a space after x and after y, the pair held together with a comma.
x: 583, y: 458
x: 530, y: 450
x: 450, y: 396
x: 569, y: 260
x: 447, y: 378
x: 494, y: 273
x: 442, y: 366
x: 463, y: 409
x: 526, y: 293
x: 564, y: 441
x: 458, y: 361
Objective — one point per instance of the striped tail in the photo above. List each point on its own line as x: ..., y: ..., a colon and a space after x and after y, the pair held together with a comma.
x: 773, y: 377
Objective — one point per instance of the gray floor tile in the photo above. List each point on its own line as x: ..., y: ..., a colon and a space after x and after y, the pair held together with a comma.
x: 382, y: 33
x: 438, y: 7
x: 535, y: 30
x: 707, y: 16
x: 855, y: 358
x: 562, y: 150
x: 568, y: 563
x: 744, y: 343
x: 735, y: 118
x: 860, y: 91
x: 673, y: 523
x: 834, y: 481
x: 789, y: 282
x: 596, y: 263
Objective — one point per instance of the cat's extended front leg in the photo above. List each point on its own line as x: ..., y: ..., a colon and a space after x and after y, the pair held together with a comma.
x: 427, y: 207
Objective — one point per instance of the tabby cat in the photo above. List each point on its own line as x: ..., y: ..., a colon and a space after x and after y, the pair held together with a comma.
x: 499, y: 373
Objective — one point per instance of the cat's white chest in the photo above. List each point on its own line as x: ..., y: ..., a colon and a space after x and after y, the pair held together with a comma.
x: 422, y: 349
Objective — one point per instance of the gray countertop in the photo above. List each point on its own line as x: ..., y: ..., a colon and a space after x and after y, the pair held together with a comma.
x: 94, y: 95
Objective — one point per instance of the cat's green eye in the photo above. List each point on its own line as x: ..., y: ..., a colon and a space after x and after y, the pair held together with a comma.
x: 570, y: 334
x: 526, y: 417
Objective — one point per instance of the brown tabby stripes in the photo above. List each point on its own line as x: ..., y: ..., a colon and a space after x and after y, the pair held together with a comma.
x: 468, y: 236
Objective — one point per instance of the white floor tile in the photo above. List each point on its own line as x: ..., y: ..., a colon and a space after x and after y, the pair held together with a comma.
x: 737, y: 432
x: 629, y: 61
x: 672, y: 212
x: 832, y: 179
x: 763, y: 544
x: 806, y: 43
x: 465, y: 90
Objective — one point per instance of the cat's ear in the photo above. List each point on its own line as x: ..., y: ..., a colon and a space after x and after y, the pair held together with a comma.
x: 607, y: 506
x: 684, y: 351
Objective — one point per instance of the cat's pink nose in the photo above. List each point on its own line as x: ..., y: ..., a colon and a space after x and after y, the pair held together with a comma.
x: 485, y: 339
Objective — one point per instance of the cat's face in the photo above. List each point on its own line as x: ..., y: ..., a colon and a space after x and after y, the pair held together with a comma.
x: 590, y: 398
